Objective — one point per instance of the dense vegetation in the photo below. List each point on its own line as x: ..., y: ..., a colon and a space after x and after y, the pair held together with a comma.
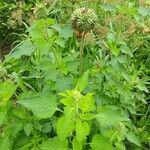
x: 78, y: 81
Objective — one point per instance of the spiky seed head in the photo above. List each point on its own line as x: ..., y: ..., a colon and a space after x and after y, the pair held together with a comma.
x: 83, y: 19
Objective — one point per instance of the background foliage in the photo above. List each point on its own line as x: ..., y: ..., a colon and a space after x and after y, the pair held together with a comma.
x: 45, y: 104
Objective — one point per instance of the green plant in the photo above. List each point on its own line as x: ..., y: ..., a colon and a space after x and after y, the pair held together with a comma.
x: 45, y: 104
x: 83, y: 20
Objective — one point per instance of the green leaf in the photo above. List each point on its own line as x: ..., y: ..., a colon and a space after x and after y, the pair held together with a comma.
x: 144, y: 11
x: 76, y: 144
x: 65, y: 124
x: 3, y: 113
x: 4, y: 143
x: 87, y: 103
x: 133, y: 138
x: 99, y: 142
x: 66, y: 32
x: 43, y: 104
x: 51, y: 75
x: 108, y: 116
x: 25, y: 48
x: 108, y: 7
x: 141, y: 86
x: 82, y: 130
x: 87, y: 116
x: 60, y: 42
x: 28, y: 129
x: 67, y: 101
x: 43, y: 45
x: 54, y: 144
x: 64, y: 83
x: 83, y: 82
x: 7, y: 89
x: 125, y: 49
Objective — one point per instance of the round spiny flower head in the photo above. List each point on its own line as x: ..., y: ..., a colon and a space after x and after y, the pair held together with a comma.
x: 83, y: 19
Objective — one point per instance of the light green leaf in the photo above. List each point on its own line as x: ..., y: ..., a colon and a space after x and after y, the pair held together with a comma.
x: 7, y: 89
x: 67, y: 101
x: 144, y: 11
x: 60, y: 41
x: 125, y: 49
x: 65, y: 124
x: 100, y: 143
x: 133, y: 138
x: 82, y: 130
x: 108, y: 116
x: 54, y: 144
x: 87, y: 103
x: 142, y: 87
x: 76, y: 145
x: 28, y: 129
x: 3, y: 112
x: 4, y: 143
x: 83, y: 82
x: 43, y: 104
x: 86, y: 116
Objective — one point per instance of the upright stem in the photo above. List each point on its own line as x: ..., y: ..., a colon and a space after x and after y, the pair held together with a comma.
x: 1, y: 56
x: 81, y: 55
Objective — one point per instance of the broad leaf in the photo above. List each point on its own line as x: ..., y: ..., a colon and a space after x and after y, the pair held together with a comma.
x: 108, y: 116
x: 25, y: 48
x: 76, y: 144
x: 82, y: 130
x: 87, y: 103
x: 3, y: 112
x: 83, y: 81
x: 133, y: 138
x: 100, y: 143
x: 54, y: 144
x: 7, y: 89
x: 65, y: 124
x: 28, y: 129
x: 43, y: 104
x: 4, y: 143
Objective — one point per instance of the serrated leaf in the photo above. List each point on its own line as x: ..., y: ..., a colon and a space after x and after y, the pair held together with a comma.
x: 7, y: 89
x: 107, y: 116
x: 133, y: 138
x: 3, y: 112
x: 43, y: 104
x: 87, y: 103
x: 25, y: 48
x: 65, y: 124
x: 66, y: 31
x: 5, y: 143
x: 83, y: 82
x: 142, y: 87
x: 67, y: 101
x: 144, y: 11
x: 64, y: 83
x: 76, y: 145
x: 87, y: 116
x: 54, y: 144
x: 82, y: 130
x: 60, y: 41
x: 28, y: 129
x: 100, y: 143
x: 125, y: 49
